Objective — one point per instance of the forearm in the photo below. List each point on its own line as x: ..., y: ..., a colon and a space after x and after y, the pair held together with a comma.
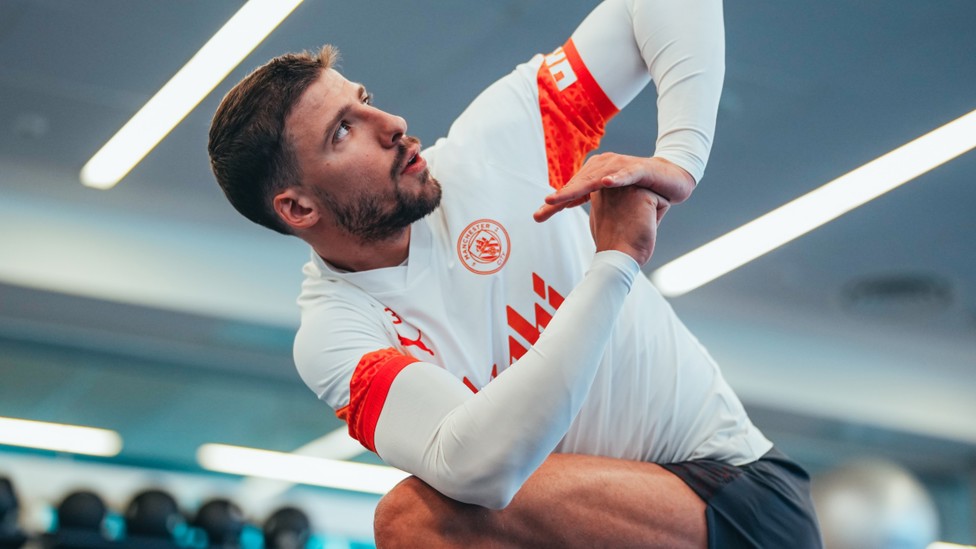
x: 481, y: 448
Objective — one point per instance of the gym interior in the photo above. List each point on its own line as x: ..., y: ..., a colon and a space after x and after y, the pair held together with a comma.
x: 141, y: 307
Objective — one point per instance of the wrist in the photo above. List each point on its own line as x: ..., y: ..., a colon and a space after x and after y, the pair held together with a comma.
x: 676, y: 180
x: 618, y: 259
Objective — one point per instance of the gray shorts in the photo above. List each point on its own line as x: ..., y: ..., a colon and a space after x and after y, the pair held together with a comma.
x: 764, y: 504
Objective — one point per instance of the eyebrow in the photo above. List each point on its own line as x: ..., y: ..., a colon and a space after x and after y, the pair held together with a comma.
x: 342, y: 114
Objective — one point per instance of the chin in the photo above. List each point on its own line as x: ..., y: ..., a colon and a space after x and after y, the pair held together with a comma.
x: 430, y: 190
x: 435, y: 192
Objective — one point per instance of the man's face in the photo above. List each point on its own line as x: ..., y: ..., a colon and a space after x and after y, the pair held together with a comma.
x: 358, y: 161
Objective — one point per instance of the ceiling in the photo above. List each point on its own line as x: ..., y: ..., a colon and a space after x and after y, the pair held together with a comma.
x: 155, y: 310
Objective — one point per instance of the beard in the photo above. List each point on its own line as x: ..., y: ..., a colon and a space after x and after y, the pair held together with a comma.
x: 369, y: 217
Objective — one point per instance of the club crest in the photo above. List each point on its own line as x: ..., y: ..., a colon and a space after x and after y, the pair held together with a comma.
x: 484, y: 246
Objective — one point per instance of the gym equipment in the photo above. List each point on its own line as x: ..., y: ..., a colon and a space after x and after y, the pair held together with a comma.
x: 287, y: 528
x: 223, y: 523
x: 10, y: 535
x: 152, y: 519
x: 81, y: 516
x: 874, y: 504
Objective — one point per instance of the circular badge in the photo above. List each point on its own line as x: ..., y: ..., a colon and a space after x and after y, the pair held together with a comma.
x: 484, y: 246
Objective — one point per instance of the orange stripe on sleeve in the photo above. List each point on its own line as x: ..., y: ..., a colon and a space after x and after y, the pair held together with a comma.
x: 574, y: 111
x: 600, y: 100
x: 368, y: 390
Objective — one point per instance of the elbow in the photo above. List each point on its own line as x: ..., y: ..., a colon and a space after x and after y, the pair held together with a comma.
x: 491, y: 497
x: 403, y: 517
x: 492, y: 488
x: 495, y: 499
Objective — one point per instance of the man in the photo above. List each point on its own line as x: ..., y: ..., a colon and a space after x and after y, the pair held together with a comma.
x: 542, y: 392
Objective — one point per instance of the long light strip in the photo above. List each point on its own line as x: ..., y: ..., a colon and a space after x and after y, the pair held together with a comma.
x: 190, y: 85
x: 59, y: 437
x: 817, y: 207
x: 947, y: 545
x: 334, y: 445
x: 345, y: 475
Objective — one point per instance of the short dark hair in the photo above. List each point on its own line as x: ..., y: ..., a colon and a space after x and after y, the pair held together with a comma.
x: 249, y: 153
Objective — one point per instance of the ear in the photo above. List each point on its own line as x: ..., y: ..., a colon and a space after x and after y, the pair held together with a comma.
x: 296, y: 209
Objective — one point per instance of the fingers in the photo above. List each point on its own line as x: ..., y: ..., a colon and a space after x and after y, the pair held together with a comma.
x: 609, y: 170
x: 548, y: 210
x: 599, y: 172
x: 582, y: 184
x: 578, y: 188
x: 662, y: 208
x: 577, y: 192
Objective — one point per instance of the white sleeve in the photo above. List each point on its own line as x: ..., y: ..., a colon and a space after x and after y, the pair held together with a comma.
x: 480, y: 448
x: 678, y: 44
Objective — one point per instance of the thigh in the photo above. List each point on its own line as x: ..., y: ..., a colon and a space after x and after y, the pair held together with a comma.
x: 570, y: 501
x: 765, y: 503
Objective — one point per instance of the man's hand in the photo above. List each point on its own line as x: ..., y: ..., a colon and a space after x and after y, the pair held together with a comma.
x: 626, y: 219
x: 606, y: 170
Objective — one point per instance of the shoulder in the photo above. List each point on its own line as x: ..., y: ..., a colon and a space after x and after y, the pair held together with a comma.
x: 502, y: 119
x: 340, y: 324
x: 332, y: 309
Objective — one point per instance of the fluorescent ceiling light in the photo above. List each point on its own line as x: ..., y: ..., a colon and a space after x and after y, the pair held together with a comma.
x: 817, y: 207
x: 201, y: 74
x: 947, y: 545
x: 344, y: 475
x: 335, y: 445
x: 59, y: 437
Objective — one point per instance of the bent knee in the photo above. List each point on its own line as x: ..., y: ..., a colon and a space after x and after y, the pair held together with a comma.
x: 393, y: 508
x: 413, y: 514
x: 404, y: 513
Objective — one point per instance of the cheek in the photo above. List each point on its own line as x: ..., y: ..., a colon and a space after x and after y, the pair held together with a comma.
x: 355, y: 171
x: 373, y: 170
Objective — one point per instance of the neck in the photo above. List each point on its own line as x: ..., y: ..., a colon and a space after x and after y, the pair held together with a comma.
x: 351, y: 254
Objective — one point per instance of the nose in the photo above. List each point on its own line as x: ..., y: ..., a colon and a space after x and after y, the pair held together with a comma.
x: 392, y: 128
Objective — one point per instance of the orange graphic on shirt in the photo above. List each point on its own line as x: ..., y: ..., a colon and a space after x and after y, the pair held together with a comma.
x: 528, y: 330
x: 405, y: 341
x: 470, y: 384
x: 484, y: 246
x: 415, y: 342
x: 488, y: 247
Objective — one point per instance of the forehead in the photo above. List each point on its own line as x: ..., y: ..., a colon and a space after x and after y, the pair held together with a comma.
x: 318, y: 107
x: 328, y: 90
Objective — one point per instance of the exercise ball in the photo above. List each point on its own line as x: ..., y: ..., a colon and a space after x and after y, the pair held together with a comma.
x: 874, y: 504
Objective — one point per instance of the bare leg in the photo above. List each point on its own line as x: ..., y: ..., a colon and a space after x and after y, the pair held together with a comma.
x: 571, y: 501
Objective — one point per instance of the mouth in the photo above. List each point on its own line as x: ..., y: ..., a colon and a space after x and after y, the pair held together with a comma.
x: 414, y: 163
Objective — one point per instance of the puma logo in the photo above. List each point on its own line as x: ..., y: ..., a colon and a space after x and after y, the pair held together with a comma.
x: 405, y: 341
x: 415, y: 342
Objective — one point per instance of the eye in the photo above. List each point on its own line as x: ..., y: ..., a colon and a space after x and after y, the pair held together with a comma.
x: 341, y: 132
x: 368, y: 99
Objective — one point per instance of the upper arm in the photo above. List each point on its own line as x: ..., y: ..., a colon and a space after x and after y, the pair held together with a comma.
x: 608, y: 46
x: 347, y: 352
x: 433, y: 426
x: 538, y: 123
x: 680, y: 45
x: 421, y: 430
x: 397, y: 406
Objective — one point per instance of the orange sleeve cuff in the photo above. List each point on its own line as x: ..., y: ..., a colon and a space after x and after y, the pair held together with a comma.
x: 368, y: 390
x: 574, y: 112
